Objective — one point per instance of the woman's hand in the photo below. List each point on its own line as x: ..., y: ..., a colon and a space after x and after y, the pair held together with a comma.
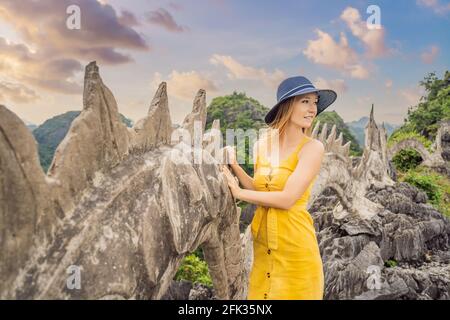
x: 233, y: 182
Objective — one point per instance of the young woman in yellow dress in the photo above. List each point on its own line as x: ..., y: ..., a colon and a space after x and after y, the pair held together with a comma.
x: 286, y: 258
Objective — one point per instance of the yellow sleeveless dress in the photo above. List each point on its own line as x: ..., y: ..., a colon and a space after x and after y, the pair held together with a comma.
x: 286, y: 259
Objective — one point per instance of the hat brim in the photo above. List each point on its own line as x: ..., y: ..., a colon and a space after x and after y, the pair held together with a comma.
x: 326, y: 98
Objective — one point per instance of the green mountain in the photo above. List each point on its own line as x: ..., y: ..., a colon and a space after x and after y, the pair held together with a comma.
x: 331, y: 118
x: 237, y: 111
x: 52, y: 132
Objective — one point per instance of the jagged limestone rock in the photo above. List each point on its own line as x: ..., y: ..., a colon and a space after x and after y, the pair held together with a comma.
x: 116, y: 204
x: 434, y: 159
x: 125, y: 205
x: 348, y: 181
x: 390, y: 221
x: 156, y: 128
x: 409, y: 232
x: 198, y: 113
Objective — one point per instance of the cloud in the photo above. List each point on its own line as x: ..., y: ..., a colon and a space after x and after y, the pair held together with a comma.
x: 17, y: 93
x: 435, y: 5
x: 339, y: 56
x: 364, y: 101
x: 176, y: 6
x: 358, y: 71
x: 239, y: 71
x: 19, y: 63
x: 373, y: 39
x: 429, y: 56
x: 100, y: 26
x: 51, y: 55
x: 128, y: 19
x: 184, y: 85
x: 163, y: 18
x: 411, y: 95
x: 388, y: 84
x: 337, y: 85
x: 109, y: 55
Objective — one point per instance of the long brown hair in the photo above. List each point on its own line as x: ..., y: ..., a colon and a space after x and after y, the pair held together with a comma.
x: 283, y: 115
x: 280, y: 121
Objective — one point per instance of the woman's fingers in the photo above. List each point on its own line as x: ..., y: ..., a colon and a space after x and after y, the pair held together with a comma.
x: 232, y: 180
x: 224, y: 171
x: 228, y: 176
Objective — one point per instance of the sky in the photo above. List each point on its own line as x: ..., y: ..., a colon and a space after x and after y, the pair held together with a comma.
x: 220, y: 46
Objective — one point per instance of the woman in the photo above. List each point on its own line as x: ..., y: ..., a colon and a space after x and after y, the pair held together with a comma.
x: 287, y: 262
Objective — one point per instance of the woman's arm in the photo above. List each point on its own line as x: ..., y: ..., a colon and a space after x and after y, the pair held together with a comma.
x: 245, y: 180
x: 308, y: 166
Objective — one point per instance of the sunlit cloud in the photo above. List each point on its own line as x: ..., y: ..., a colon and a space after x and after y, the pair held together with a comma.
x: 20, y: 64
x: 337, y: 85
x: 184, y: 85
x: 411, y: 95
x: 17, y: 93
x: 237, y: 70
x: 429, y: 56
x: 100, y: 27
x: 336, y: 55
x: 52, y: 55
x: 373, y: 39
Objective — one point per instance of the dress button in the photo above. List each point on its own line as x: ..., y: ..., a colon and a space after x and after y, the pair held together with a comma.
x: 267, y: 185
x: 265, y: 295
x: 268, y: 275
x: 268, y: 251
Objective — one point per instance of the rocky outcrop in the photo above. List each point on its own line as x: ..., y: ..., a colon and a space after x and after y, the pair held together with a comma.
x: 117, y: 211
x: 186, y: 290
x: 120, y: 208
x: 350, y: 177
x: 444, y: 133
x: 437, y: 158
x: 367, y: 222
x: 401, y: 253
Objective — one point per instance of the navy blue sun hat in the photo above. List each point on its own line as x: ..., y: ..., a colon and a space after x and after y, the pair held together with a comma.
x: 296, y: 86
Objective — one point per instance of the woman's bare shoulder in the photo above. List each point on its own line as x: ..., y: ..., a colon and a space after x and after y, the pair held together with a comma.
x: 313, y: 145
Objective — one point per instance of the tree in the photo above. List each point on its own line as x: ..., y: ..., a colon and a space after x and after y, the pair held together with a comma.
x: 432, y: 108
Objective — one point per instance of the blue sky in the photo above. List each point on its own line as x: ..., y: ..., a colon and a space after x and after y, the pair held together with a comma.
x: 220, y: 46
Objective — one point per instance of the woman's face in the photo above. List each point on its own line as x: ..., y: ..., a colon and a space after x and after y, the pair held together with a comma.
x: 305, y: 109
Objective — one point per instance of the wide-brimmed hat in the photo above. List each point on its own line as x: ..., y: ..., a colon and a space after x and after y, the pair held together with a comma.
x: 298, y: 85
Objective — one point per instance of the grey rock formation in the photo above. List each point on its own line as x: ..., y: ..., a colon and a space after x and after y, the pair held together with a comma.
x: 366, y: 220
x: 409, y: 232
x: 350, y: 177
x: 120, y: 208
x: 116, y: 208
x: 185, y: 290
x: 438, y: 158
